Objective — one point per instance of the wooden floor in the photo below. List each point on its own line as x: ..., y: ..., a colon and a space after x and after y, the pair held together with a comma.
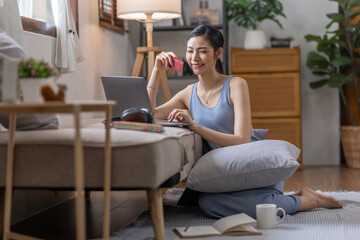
x: 59, y: 221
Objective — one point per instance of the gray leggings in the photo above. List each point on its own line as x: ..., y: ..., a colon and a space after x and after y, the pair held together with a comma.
x: 225, y: 204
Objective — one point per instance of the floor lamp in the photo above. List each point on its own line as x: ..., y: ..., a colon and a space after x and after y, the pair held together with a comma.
x: 149, y: 11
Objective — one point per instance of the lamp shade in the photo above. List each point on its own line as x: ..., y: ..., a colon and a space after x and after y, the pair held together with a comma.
x: 139, y: 9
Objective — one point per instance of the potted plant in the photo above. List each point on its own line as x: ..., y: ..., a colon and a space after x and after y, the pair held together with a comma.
x: 34, y: 74
x: 336, y: 62
x: 249, y: 13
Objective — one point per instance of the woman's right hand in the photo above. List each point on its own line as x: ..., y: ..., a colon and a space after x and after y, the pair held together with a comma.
x: 164, y: 61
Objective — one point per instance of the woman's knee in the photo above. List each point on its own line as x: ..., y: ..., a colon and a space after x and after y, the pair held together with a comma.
x: 222, y: 205
x: 209, y: 206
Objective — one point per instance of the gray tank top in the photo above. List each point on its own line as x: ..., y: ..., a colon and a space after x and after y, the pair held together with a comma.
x: 219, y: 118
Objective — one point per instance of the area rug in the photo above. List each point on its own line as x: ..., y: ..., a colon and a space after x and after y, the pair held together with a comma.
x: 317, y: 224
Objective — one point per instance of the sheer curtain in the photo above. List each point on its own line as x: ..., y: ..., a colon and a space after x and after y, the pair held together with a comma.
x: 68, y: 48
x: 10, y: 21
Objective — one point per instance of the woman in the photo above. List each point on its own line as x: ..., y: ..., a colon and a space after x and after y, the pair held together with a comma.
x: 219, y: 108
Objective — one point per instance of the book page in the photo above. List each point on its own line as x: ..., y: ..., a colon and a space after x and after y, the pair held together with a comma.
x: 245, y: 229
x: 232, y: 221
x: 197, y: 231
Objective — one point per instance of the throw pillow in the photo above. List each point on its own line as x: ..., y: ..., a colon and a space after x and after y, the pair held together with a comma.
x: 245, y: 166
x: 259, y: 134
x: 32, y: 121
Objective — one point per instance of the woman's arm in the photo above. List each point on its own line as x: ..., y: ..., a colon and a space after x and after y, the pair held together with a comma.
x: 239, y: 96
x: 162, y: 62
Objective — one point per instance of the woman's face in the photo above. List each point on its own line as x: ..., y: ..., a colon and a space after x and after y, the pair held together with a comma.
x: 200, y: 55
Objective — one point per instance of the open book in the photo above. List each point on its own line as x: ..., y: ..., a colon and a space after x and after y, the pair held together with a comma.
x: 238, y: 224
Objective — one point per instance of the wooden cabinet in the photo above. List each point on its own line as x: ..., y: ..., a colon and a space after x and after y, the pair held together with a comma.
x: 273, y: 77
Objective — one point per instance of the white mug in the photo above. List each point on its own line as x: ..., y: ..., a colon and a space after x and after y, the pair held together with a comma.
x: 266, y: 216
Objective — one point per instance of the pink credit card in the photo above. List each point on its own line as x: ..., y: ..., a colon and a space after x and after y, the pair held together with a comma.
x: 178, y: 64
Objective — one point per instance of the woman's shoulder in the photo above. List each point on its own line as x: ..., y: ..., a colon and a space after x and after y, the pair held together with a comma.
x: 186, y: 92
x: 189, y: 87
x: 237, y: 81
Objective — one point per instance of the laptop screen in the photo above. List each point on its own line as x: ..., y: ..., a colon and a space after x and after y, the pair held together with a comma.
x: 128, y: 92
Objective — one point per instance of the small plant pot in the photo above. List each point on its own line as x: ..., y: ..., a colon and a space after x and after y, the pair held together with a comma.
x: 30, y: 88
x: 350, y: 139
x: 255, y: 39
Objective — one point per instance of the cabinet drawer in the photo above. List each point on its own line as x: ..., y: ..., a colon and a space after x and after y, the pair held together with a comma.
x: 288, y: 129
x: 274, y: 95
x: 265, y: 60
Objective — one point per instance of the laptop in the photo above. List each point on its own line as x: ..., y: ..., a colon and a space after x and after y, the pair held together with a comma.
x: 130, y: 92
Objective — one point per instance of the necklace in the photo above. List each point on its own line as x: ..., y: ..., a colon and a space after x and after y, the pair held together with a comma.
x: 207, y: 99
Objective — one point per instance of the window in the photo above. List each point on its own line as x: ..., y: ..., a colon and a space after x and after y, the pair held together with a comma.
x: 36, y: 9
x: 37, y: 16
x: 107, y: 16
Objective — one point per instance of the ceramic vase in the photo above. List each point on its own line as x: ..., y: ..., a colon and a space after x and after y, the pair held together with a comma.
x: 255, y: 39
x: 30, y: 88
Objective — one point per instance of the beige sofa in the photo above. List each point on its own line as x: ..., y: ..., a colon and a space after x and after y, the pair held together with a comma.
x: 140, y: 160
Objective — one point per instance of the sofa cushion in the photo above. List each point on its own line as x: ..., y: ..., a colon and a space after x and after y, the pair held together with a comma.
x: 44, y: 158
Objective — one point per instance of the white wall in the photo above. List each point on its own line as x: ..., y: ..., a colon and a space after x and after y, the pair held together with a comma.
x: 109, y: 53
x: 320, y: 108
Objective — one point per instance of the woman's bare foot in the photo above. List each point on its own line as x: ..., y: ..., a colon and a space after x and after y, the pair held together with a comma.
x: 311, y: 199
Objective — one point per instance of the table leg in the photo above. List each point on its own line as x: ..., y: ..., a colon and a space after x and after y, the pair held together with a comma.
x: 2, y: 196
x: 157, y: 212
x: 9, y: 177
x: 79, y: 178
x: 107, y: 175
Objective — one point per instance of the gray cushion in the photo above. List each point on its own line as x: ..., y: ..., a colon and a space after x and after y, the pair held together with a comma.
x: 244, y: 166
x: 32, y: 121
x: 260, y: 134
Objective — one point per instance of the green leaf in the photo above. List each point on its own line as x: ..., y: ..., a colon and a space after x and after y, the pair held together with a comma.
x: 337, y: 59
x: 334, y: 15
x: 349, y: 79
x: 318, y: 84
x: 316, y: 60
x: 310, y: 38
x: 244, y: 3
x: 320, y: 73
x: 339, y: 32
x: 352, y: 14
x: 340, y: 2
x: 334, y: 40
x: 337, y: 19
x: 324, y: 45
x: 350, y: 4
x: 355, y: 38
x: 336, y: 80
x: 247, y: 13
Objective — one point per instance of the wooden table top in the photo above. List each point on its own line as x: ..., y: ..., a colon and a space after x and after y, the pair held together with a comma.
x: 54, y: 107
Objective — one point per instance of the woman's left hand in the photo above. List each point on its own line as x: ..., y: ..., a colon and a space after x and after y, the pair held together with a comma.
x: 181, y: 115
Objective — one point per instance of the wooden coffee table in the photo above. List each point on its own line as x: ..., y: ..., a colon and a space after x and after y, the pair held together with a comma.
x: 75, y: 108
